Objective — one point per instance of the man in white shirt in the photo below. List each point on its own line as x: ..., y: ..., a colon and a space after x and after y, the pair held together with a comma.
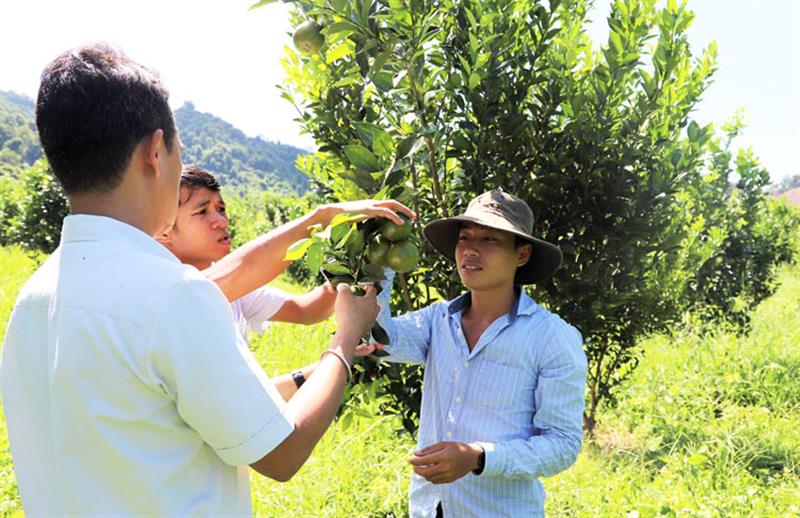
x: 200, y: 237
x: 126, y: 387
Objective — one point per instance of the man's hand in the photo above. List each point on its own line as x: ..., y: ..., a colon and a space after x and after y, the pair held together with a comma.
x: 368, y: 349
x: 388, y: 209
x: 445, y: 462
x: 354, y: 314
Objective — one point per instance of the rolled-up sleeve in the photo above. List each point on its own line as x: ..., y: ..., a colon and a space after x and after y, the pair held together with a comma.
x: 219, y: 389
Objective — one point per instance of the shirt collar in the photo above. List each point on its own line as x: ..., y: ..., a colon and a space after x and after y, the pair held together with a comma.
x: 523, y: 305
x: 85, y: 227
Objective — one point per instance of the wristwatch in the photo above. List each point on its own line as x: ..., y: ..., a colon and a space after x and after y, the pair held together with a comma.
x: 298, y: 378
x: 481, y: 461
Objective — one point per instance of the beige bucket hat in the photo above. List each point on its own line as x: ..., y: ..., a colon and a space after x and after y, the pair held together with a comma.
x: 501, y: 211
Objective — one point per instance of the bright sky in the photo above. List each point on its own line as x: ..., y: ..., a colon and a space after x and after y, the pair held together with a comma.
x: 225, y: 59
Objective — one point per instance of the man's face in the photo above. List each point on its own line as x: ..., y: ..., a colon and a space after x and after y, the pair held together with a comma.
x: 487, y: 258
x: 200, y: 235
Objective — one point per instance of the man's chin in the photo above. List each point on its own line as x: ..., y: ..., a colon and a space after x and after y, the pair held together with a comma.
x: 224, y: 249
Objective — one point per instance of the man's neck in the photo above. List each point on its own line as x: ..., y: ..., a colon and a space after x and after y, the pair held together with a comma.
x: 489, y: 305
x: 118, y: 204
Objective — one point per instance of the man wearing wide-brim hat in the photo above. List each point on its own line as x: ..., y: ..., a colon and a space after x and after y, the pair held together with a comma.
x: 503, y: 393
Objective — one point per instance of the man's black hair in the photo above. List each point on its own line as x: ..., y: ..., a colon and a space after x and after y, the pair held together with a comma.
x: 94, y: 106
x: 195, y: 177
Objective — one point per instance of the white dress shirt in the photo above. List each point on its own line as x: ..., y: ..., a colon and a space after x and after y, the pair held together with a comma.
x: 519, y: 393
x: 126, y: 389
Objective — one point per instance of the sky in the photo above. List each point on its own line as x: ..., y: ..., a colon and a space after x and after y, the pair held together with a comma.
x: 226, y: 59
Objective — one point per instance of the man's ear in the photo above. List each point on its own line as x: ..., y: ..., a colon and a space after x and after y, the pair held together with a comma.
x: 154, y: 147
x: 524, y: 254
x: 165, y: 237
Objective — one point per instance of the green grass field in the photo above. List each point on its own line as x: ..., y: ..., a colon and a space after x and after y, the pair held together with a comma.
x: 707, y: 426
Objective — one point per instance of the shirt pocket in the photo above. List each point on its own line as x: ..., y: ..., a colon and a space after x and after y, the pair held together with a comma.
x: 502, y: 386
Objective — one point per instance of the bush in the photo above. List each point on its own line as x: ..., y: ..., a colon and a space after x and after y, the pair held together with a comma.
x: 34, y: 209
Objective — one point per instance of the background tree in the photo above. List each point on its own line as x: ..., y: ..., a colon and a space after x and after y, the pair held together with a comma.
x: 436, y: 101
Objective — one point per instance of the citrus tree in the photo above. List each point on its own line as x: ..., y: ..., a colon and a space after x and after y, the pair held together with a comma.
x: 436, y: 101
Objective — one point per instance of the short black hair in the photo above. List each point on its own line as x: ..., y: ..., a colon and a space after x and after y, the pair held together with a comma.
x: 195, y: 177
x: 94, y: 106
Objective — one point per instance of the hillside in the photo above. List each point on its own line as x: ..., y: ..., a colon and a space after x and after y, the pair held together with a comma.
x: 19, y: 144
x: 241, y: 162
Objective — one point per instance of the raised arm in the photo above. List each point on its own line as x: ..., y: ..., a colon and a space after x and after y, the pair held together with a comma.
x: 314, y: 405
x: 258, y: 262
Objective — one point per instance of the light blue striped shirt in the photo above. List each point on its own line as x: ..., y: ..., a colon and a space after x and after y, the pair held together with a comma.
x: 519, y: 393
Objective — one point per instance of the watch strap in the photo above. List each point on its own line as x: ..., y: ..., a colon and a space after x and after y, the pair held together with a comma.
x: 298, y: 378
x: 481, y: 461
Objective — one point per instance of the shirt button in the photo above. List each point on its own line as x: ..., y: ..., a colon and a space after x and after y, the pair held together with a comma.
x: 449, y: 434
x: 466, y: 364
x: 458, y: 399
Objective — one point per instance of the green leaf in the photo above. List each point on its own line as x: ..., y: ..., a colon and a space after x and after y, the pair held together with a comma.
x: 355, y: 241
x: 314, y: 256
x: 342, y: 26
x: 692, y: 131
x: 365, y: 131
x: 339, y: 233
x: 404, y: 147
x: 382, y: 143
x: 340, y: 6
x: 337, y: 268
x: 362, y: 158
x: 298, y: 249
x: 615, y: 42
x: 379, y: 334
x: 374, y: 272
x: 474, y: 80
x: 380, y: 61
x: 346, y: 217
x: 366, y: 181
x: 383, y: 81
x: 347, y: 81
x: 394, y: 175
x: 461, y: 142
x: 339, y: 51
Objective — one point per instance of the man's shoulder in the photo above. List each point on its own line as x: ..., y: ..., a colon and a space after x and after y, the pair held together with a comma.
x: 553, y: 325
x: 123, y: 283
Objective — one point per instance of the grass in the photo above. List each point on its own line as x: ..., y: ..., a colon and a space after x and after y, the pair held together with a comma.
x: 15, y: 267
x: 706, y: 426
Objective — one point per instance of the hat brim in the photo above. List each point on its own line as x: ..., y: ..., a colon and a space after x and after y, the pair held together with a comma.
x: 545, y: 259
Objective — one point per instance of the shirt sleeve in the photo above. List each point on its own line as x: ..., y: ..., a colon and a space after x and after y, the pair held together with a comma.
x: 558, y: 419
x: 260, y: 305
x: 409, y: 334
x: 219, y: 389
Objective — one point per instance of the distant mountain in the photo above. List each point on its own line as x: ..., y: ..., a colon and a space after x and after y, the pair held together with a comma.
x: 19, y: 143
x: 242, y: 163
x: 239, y: 161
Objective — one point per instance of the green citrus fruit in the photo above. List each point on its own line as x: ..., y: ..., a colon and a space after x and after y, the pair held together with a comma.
x: 376, y: 252
x: 394, y: 232
x: 308, y: 38
x: 402, y: 256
